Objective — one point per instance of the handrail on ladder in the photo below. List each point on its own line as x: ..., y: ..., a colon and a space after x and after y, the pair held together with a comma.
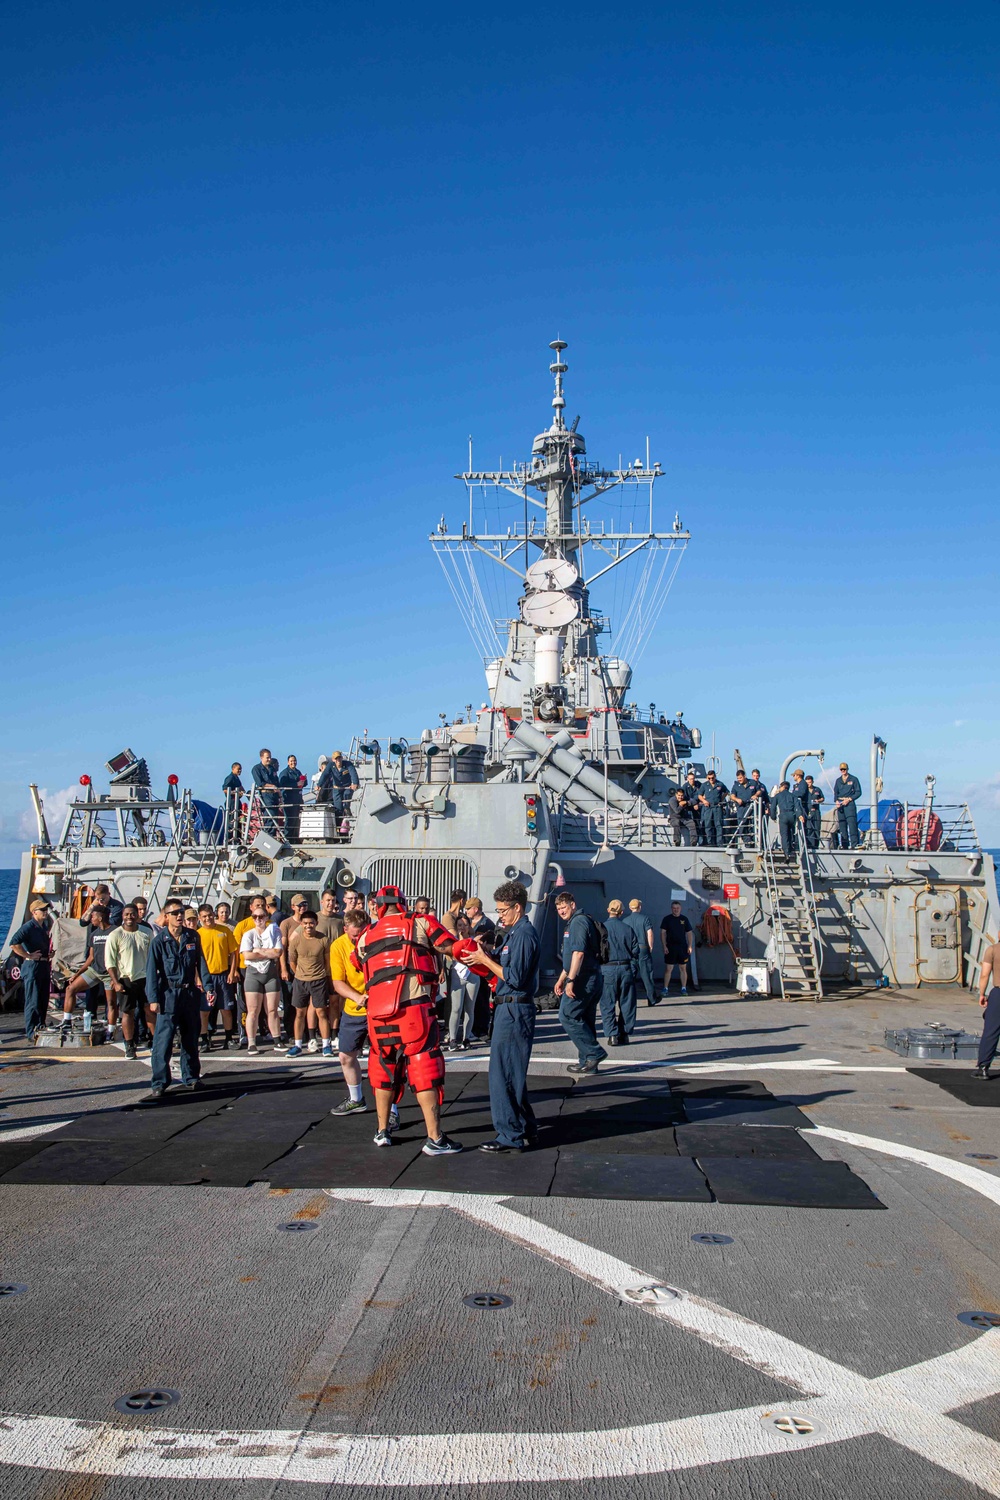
x: 809, y: 897
x: 777, y: 925
x: 172, y: 843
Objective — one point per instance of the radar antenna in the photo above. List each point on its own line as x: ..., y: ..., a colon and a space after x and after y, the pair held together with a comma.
x: 560, y: 482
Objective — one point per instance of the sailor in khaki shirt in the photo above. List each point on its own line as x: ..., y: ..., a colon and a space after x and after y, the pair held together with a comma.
x: 309, y: 962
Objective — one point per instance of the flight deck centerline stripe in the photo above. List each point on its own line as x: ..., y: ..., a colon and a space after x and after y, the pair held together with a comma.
x: 960, y: 1171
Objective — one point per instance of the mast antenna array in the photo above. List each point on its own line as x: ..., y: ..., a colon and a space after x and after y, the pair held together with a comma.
x: 553, y: 489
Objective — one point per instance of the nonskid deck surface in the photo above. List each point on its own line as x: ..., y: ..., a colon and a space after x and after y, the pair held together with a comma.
x: 344, y: 1358
x: 640, y: 1138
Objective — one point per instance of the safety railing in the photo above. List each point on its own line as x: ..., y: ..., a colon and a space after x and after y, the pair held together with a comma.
x: 259, y: 814
x: 948, y: 829
x: 172, y: 849
x: 924, y: 827
x: 745, y: 830
x: 773, y: 889
x: 808, y: 894
x: 110, y: 822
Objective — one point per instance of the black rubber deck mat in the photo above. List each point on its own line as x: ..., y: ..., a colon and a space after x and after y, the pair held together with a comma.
x: 149, y: 1124
x: 609, y: 1137
x: 705, y: 1111
x: 299, y: 1091
x: 675, y: 1179
x: 217, y: 1085
x: 178, y: 1165
x: 645, y: 1111
x: 518, y: 1175
x: 718, y: 1088
x: 77, y: 1163
x: 13, y: 1153
x: 475, y: 1100
x: 603, y: 1138
x: 318, y: 1166
x: 767, y: 1143
x: 981, y: 1093
x: 259, y: 1118
x: 786, y: 1184
x: 456, y: 1081
x: 226, y: 1130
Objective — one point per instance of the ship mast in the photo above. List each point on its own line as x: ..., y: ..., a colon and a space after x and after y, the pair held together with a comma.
x: 551, y: 670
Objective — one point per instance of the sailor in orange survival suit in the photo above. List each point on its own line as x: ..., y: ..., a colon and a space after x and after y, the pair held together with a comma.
x: 399, y: 956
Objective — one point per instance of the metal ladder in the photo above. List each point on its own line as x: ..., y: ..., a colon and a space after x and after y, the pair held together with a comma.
x: 794, y: 922
x: 196, y: 887
x: 154, y: 894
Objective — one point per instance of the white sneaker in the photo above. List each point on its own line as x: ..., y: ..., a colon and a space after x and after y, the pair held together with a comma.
x: 313, y: 1045
x: 393, y: 1119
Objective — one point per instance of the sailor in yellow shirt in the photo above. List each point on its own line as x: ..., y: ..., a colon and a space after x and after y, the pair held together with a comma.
x: 246, y: 924
x: 219, y: 956
x: 349, y: 987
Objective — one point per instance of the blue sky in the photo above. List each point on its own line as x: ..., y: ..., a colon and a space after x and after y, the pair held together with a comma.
x: 268, y: 266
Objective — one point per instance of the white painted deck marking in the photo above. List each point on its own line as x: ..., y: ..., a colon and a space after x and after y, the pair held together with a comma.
x: 540, y: 1063
x: 908, y: 1406
x: 799, y: 1065
x: 971, y: 1177
x: 479, y: 1062
x: 26, y: 1132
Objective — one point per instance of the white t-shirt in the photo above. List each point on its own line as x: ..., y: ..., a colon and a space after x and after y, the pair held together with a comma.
x: 254, y: 940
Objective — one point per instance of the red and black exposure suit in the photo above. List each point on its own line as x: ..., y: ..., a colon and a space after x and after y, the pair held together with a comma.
x: 399, y: 955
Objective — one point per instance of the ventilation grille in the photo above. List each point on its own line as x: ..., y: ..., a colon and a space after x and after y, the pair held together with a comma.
x: 418, y: 875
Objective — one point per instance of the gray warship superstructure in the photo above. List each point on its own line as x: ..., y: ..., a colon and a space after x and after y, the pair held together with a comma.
x: 559, y: 777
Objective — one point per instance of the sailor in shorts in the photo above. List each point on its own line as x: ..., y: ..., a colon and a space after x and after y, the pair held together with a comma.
x: 261, y: 949
x: 349, y: 987
x: 93, y: 974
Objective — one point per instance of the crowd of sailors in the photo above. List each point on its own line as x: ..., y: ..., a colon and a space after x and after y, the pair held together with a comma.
x: 279, y: 792
x: 710, y: 813
x: 700, y: 812
x: 298, y: 982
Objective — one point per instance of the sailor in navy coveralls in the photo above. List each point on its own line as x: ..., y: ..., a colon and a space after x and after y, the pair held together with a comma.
x: 517, y: 950
x: 846, y: 791
x: 173, y: 989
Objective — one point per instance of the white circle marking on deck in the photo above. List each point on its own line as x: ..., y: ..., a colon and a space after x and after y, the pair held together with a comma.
x: 908, y: 1406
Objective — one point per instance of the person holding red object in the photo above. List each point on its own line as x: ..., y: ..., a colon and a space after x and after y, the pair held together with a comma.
x: 400, y: 956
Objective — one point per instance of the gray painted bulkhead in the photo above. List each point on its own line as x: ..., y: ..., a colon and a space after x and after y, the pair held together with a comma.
x: 878, y: 914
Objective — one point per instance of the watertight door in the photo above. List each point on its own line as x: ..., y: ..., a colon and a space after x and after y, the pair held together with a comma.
x: 937, y: 949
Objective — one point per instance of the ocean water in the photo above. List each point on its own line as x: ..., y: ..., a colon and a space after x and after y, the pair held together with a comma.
x: 8, y: 896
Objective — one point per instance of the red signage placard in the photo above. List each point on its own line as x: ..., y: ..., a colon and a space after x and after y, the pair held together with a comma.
x: 731, y: 892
